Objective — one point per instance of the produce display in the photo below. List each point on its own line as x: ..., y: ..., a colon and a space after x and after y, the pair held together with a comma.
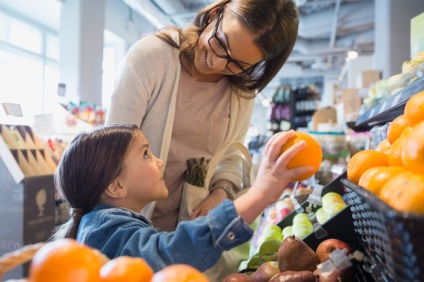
x: 394, y: 171
x: 296, y: 261
x: 386, y: 88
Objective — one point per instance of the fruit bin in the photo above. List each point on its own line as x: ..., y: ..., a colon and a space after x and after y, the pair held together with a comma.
x: 393, y: 241
x: 13, y: 259
x: 338, y: 227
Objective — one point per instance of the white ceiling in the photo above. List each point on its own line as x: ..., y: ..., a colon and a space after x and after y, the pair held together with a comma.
x: 43, y: 12
x: 327, y: 30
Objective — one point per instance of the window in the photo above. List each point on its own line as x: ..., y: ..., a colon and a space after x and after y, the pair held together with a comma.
x: 29, y: 77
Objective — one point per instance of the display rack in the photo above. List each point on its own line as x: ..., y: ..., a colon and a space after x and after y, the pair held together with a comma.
x: 393, y: 106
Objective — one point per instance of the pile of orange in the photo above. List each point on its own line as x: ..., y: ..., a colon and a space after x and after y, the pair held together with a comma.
x: 394, y: 171
x: 66, y: 260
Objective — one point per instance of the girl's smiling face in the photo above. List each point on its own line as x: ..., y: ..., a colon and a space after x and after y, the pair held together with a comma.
x: 142, y: 175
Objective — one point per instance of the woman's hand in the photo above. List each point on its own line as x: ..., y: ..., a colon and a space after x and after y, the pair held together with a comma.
x: 273, y: 174
x: 272, y: 177
x: 213, y: 200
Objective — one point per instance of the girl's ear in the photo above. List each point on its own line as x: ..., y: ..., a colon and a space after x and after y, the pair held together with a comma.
x: 115, y: 190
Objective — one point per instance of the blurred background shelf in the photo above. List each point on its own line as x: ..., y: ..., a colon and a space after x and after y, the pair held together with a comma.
x: 393, y: 106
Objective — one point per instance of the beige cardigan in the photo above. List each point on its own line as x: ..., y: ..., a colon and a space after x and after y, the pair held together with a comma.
x: 145, y: 95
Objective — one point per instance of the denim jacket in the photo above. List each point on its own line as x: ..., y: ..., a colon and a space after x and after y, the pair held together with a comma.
x: 199, y: 242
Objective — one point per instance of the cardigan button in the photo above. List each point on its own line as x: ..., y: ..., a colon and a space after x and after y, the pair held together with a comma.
x: 231, y: 236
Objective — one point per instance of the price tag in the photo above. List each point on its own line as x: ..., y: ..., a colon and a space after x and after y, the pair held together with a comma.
x: 12, y: 109
x: 44, y: 124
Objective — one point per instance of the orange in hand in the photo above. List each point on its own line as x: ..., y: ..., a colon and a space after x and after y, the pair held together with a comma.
x: 311, y: 155
x: 364, y: 160
x: 65, y: 260
x: 179, y: 273
x: 126, y: 269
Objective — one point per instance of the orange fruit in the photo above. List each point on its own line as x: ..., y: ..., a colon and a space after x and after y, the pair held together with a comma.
x: 406, y: 132
x: 395, y: 153
x: 405, y: 192
x: 414, y: 109
x: 413, y: 150
x: 126, y: 269
x: 65, y: 260
x: 179, y: 273
x: 364, y: 160
x: 396, y: 128
x: 374, y: 178
x: 383, y: 146
x: 311, y: 155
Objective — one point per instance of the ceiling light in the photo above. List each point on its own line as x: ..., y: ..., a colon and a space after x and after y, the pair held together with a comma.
x: 352, y: 55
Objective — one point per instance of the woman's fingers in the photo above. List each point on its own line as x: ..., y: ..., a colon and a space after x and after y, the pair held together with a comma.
x: 276, y: 142
x: 286, y: 157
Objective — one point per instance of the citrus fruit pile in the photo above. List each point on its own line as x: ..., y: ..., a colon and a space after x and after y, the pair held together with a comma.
x: 394, y: 171
x: 66, y: 260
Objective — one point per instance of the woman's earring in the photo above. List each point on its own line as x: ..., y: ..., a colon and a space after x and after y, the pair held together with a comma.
x: 209, y: 20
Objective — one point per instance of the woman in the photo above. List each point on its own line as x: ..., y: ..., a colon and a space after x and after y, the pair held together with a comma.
x: 191, y: 91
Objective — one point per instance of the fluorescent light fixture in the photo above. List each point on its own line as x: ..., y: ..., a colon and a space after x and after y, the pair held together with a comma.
x: 352, y: 55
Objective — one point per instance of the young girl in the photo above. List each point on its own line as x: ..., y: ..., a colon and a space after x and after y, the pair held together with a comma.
x: 107, y: 176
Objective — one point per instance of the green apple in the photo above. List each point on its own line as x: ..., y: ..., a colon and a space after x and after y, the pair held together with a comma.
x: 331, y: 197
x: 333, y: 208
x: 303, y: 230
x: 287, y: 231
x: 272, y: 231
x: 321, y: 215
x: 269, y: 247
x: 300, y: 217
x: 254, y: 262
x: 302, y: 226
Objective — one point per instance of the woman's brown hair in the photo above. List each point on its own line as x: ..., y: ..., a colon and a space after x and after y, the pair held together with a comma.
x: 89, y: 164
x: 275, y: 24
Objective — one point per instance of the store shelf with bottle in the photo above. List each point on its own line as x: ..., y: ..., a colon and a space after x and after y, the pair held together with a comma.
x: 292, y: 107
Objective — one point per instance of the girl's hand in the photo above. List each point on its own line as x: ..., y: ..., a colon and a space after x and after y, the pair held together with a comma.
x: 273, y: 174
x: 213, y: 200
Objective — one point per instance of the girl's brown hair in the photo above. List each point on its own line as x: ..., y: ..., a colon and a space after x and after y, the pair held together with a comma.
x: 275, y: 24
x: 89, y: 164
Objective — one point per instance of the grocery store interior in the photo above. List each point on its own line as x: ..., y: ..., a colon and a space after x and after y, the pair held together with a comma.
x: 354, y: 82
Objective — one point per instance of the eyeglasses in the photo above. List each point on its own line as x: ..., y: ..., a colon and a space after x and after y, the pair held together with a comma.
x: 221, y: 51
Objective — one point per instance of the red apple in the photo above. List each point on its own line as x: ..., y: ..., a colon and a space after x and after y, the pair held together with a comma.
x: 238, y: 277
x: 325, y: 248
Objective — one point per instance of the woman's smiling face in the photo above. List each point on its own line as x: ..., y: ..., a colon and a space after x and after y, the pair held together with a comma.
x: 237, y: 40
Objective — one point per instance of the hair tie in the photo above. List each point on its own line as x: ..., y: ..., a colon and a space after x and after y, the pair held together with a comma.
x: 76, y: 212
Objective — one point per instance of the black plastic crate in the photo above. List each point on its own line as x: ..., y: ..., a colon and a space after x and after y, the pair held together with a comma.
x: 393, y: 241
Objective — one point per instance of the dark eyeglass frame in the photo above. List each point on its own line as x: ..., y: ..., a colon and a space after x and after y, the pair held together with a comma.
x: 245, y: 72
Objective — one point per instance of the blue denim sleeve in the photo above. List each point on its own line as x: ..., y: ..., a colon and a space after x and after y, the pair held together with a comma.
x: 228, y: 229
x: 198, y: 242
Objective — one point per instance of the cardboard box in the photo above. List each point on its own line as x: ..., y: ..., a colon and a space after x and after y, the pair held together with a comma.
x: 369, y: 77
x: 417, y: 34
x: 351, y: 104
x: 27, y: 195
